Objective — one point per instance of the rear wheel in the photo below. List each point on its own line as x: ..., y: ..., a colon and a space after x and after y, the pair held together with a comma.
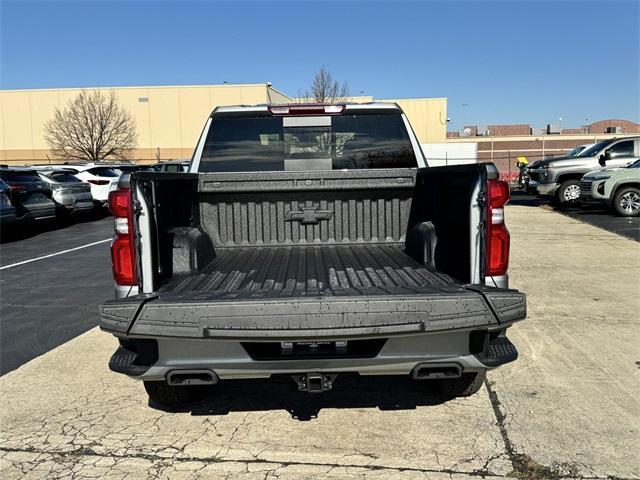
x: 568, y: 192
x: 163, y: 394
x: 464, y: 386
x: 626, y: 202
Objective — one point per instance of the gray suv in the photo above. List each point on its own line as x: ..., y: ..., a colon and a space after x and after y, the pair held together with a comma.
x: 560, y: 177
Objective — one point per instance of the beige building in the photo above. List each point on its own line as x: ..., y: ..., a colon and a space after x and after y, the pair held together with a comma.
x: 168, y: 119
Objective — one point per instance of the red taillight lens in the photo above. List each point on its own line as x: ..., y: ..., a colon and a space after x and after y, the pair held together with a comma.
x: 123, y: 250
x: 498, y: 238
x: 98, y: 182
x: 120, y: 202
x: 16, y: 188
x: 498, y: 250
x: 498, y: 192
x: 122, y: 259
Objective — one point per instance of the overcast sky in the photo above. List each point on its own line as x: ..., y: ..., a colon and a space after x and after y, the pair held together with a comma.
x: 516, y: 62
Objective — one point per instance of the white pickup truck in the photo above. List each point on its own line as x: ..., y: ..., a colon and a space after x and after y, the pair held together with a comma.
x: 307, y: 241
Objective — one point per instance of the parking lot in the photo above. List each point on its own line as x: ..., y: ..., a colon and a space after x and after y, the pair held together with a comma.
x: 568, y: 408
x: 592, y: 214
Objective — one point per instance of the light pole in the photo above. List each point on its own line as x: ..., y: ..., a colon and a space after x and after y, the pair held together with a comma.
x: 464, y: 114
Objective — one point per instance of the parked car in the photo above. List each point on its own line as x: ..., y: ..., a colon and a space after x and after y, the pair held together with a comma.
x: 329, y: 248
x: 7, y: 211
x: 29, y: 194
x: 172, y: 166
x: 560, y: 178
x: 102, y: 179
x: 128, y: 167
x: 617, y: 188
x: 71, y: 195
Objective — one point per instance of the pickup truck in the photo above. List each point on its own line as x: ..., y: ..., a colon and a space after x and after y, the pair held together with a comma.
x: 559, y: 178
x: 308, y: 241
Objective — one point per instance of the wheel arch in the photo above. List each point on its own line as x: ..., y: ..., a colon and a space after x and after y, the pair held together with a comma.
x: 624, y: 183
x: 563, y: 177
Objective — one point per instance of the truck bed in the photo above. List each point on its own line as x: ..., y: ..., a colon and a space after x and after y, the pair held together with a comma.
x: 312, y: 271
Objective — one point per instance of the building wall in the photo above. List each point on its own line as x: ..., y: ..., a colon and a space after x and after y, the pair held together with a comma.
x: 428, y: 117
x: 504, y: 151
x: 602, y: 125
x: 168, y: 119
x: 443, y: 154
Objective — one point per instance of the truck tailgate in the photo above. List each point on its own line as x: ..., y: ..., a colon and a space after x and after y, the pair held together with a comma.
x: 300, y: 292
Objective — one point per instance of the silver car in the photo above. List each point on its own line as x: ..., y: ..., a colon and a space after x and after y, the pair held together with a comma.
x: 71, y: 195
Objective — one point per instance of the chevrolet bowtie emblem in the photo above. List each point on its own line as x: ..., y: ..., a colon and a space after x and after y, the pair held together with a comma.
x: 308, y: 215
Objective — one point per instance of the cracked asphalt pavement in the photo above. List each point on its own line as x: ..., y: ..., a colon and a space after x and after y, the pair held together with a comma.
x: 567, y: 408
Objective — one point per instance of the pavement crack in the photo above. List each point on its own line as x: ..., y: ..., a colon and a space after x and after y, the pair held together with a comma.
x: 524, y: 467
x: 500, y: 420
x: 533, y: 471
x: 84, y: 451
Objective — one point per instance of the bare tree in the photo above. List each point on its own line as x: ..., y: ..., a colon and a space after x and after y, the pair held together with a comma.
x: 325, y: 89
x: 91, y: 127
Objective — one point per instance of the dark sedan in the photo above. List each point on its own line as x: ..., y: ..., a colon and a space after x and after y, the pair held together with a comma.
x: 7, y: 211
x: 30, y: 196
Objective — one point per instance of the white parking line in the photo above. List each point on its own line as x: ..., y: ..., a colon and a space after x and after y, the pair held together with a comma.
x: 54, y: 254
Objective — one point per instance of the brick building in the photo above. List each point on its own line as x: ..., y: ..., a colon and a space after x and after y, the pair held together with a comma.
x: 606, y: 126
x: 503, y: 144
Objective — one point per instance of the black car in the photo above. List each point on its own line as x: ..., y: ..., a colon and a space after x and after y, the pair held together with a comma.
x: 7, y: 211
x: 30, y: 196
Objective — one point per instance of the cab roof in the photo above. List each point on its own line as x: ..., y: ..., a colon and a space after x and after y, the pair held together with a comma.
x: 306, y: 107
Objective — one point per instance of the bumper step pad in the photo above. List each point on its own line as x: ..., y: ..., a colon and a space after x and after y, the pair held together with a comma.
x: 135, y: 358
x: 499, y: 352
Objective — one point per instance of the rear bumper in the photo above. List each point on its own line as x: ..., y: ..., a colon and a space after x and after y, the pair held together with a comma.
x: 424, y: 330
x: 81, y: 207
x: 399, y: 356
x: 75, y: 203
x: 41, y: 211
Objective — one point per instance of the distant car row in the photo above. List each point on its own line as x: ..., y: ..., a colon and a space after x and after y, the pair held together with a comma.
x: 606, y: 172
x: 47, y: 192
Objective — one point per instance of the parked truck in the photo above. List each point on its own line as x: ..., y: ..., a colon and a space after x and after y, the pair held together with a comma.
x: 559, y: 178
x: 308, y: 241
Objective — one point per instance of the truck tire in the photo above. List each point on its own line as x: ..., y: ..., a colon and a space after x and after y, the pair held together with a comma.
x: 163, y: 394
x: 626, y: 202
x: 568, y: 193
x: 463, y: 386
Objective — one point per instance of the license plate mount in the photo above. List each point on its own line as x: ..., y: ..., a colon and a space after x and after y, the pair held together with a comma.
x: 314, y: 347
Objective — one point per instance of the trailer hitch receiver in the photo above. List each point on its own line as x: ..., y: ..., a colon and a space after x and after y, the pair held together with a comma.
x: 314, y: 382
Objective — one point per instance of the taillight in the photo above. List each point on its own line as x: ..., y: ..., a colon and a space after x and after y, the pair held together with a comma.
x: 123, y: 258
x: 498, y: 238
x: 17, y: 188
x: 305, y: 109
x: 98, y: 182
